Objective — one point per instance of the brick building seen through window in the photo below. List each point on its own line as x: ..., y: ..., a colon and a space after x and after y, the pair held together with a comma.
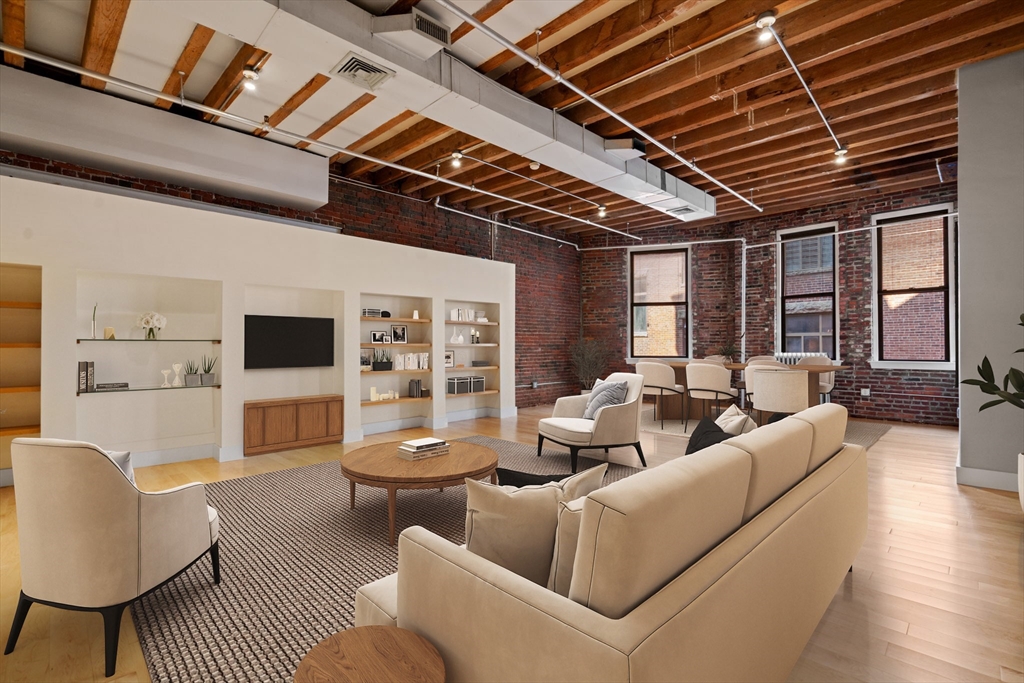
x: 808, y: 291
x: 658, y: 304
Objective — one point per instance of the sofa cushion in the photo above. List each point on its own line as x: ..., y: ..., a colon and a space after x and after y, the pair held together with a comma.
x: 735, y: 422
x: 568, y: 430
x: 123, y: 459
x: 377, y: 602
x: 639, y: 533
x: 605, y: 394
x: 828, y: 421
x: 707, y: 433
x: 566, y: 538
x: 779, y: 455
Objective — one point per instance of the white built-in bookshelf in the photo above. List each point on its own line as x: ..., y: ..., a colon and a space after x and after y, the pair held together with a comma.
x: 477, y: 323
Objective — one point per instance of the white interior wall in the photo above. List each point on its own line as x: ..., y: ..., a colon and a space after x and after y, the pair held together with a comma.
x: 66, y: 230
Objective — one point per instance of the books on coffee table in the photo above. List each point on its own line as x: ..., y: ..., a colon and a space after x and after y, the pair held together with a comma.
x: 418, y: 449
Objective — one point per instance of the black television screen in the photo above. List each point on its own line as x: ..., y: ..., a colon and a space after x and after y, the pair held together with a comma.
x: 273, y: 341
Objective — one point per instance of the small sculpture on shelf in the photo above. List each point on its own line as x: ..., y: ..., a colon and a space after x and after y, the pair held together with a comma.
x: 177, y: 375
x: 166, y: 384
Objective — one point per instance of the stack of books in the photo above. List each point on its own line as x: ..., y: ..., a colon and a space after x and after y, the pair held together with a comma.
x: 418, y: 449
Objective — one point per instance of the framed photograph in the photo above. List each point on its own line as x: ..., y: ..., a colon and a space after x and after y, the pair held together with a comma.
x: 449, y: 359
x: 378, y: 337
x: 385, y: 339
x: 399, y: 334
x: 365, y: 359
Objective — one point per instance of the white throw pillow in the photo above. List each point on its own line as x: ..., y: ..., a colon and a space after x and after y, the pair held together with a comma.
x: 567, y: 536
x: 123, y: 459
x: 515, y: 527
x: 734, y: 421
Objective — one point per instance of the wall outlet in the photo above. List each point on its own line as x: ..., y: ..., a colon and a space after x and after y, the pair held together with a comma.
x: 534, y: 385
x: 865, y: 392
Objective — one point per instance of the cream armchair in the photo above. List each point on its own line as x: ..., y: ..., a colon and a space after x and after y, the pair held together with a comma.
x: 91, y: 541
x: 612, y: 426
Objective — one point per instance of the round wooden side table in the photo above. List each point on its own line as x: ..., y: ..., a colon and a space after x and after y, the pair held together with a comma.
x: 372, y: 654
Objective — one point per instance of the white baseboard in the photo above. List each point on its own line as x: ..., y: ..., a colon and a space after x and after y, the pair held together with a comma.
x: 165, y: 457
x: 6, y: 477
x: 394, y: 425
x: 472, y: 414
x: 987, y: 479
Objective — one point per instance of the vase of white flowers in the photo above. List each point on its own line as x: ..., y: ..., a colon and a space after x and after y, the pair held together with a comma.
x: 152, y: 323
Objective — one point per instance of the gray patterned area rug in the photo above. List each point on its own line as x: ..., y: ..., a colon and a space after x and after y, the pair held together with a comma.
x: 292, y: 556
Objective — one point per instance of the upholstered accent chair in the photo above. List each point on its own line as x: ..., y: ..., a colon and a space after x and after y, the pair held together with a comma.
x: 709, y: 382
x: 91, y: 541
x: 612, y: 426
x: 659, y: 378
x: 827, y: 380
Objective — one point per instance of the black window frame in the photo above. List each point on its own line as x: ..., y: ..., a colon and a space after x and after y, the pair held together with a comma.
x: 685, y: 304
x: 881, y: 292
x: 794, y: 236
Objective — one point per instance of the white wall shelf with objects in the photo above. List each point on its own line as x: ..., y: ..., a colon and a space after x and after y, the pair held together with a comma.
x: 480, y: 342
x: 409, y: 330
x: 20, y: 349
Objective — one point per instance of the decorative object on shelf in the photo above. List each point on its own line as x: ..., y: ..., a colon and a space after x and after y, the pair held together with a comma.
x: 387, y: 339
x: 449, y: 359
x: 480, y: 363
x: 94, y: 307
x: 385, y: 314
x: 365, y: 360
x: 482, y: 320
x: 83, y: 376
x: 207, y: 377
x: 463, y: 315
x: 415, y: 315
x: 589, y: 358
x: 458, y: 385
x: 152, y: 323
x: 382, y: 360
x: 371, y: 312
x: 425, y: 393
x: 472, y: 336
x: 108, y: 333
x: 177, y: 375
x: 399, y: 334
x: 416, y: 388
x: 373, y: 394
x: 166, y: 384
x: 400, y: 362
x: 481, y: 316
x: 424, y: 361
x: 112, y: 386
x: 377, y: 337
x: 192, y: 374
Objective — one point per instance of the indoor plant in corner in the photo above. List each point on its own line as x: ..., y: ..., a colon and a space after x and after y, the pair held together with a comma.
x: 191, y: 374
x: 1014, y: 380
x: 589, y: 358
x: 381, y: 360
x: 206, y: 377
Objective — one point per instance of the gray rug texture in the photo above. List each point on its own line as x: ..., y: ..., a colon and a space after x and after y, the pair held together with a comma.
x: 292, y: 556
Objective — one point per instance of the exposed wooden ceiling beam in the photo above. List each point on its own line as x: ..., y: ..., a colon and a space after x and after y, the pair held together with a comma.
x: 13, y: 12
x: 436, y: 152
x: 547, y: 30
x: 401, y: 7
x: 609, y: 33
x: 400, y: 145
x: 294, y: 102
x: 225, y: 90
x: 482, y: 14
x: 470, y: 172
x: 102, y: 34
x: 190, y: 56
x: 333, y: 122
x: 367, y: 140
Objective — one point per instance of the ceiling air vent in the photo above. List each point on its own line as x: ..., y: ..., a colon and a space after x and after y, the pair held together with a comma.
x: 416, y: 33
x: 362, y: 72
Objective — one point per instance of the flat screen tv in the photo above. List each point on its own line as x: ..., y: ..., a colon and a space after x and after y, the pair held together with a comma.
x: 274, y: 341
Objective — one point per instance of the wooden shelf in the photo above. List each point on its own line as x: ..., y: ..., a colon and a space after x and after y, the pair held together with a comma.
x: 474, y: 393
x: 21, y: 345
x: 366, y: 319
x: 21, y: 304
x: 479, y: 367
x: 471, y: 323
x: 19, y: 431
x: 394, y: 346
x: 403, y: 399
x: 18, y: 390
x: 466, y: 346
x: 396, y: 372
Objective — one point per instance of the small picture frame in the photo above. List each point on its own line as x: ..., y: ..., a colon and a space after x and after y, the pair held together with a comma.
x: 449, y: 359
x: 386, y: 339
x: 365, y: 359
x: 399, y: 334
x: 379, y: 337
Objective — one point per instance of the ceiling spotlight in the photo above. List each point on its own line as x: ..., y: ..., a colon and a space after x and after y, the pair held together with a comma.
x: 250, y: 76
x: 841, y: 155
x: 534, y: 165
x: 602, y: 211
x: 765, y: 22
x: 456, y: 158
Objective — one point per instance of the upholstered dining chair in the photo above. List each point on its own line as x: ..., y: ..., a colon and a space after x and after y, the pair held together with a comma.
x: 612, y: 426
x: 709, y: 382
x: 717, y: 359
x: 754, y: 358
x: 749, y: 380
x: 659, y: 378
x: 91, y: 541
x: 779, y: 390
x: 826, y: 380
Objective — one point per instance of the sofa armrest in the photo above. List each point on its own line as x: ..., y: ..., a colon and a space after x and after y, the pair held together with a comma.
x: 571, y: 406
x: 492, y: 625
x: 616, y: 424
x: 174, y: 529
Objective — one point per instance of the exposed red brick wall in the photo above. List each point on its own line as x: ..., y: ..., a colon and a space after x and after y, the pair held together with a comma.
x: 912, y: 396
x: 547, y: 277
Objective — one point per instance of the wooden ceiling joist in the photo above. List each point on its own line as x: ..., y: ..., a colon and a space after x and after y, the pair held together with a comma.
x: 102, y: 34
x: 226, y: 89
x: 435, y: 153
x: 190, y: 56
x: 471, y: 172
x: 482, y: 14
x: 13, y: 12
x: 363, y: 143
x: 401, y: 7
x: 294, y: 102
x: 333, y: 122
x: 394, y: 148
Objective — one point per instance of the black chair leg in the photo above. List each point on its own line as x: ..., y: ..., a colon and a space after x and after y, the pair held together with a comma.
x: 686, y: 414
x: 215, y: 558
x: 19, y: 620
x: 640, y: 452
x: 662, y: 410
x: 540, y: 444
x: 573, y: 453
x: 606, y: 450
x: 111, y: 634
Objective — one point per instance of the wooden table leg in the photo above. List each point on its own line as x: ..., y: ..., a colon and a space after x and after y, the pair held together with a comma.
x: 494, y: 477
x: 352, y: 495
x: 392, y: 506
x: 813, y: 395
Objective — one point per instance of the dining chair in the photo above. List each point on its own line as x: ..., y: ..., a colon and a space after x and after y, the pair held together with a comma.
x: 748, y: 380
x: 717, y: 359
x: 659, y: 378
x: 709, y: 382
x: 779, y: 390
x: 826, y: 380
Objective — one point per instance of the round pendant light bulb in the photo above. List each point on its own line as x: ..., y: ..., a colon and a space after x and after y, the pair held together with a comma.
x: 764, y: 22
x: 534, y: 165
x: 841, y: 155
x: 456, y: 162
x: 249, y: 85
x: 249, y: 78
x: 764, y: 36
x: 602, y: 211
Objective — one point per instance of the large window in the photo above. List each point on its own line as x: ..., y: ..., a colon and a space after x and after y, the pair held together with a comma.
x: 912, y: 287
x: 657, y: 301
x: 808, y: 291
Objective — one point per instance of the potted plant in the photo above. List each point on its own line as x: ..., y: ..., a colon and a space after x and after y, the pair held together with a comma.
x: 381, y: 360
x: 729, y: 350
x: 589, y: 359
x: 1014, y: 380
x: 191, y: 374
x: 152, y: 323
x: 207, y: 378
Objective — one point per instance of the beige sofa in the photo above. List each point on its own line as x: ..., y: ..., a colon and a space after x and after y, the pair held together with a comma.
x: 713, y: 567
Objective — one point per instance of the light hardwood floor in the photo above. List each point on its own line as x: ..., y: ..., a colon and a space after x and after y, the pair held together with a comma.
x: 937, y: 592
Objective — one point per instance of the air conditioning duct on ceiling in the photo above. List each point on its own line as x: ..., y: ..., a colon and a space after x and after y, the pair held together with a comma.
x: 362, y: 72
x: 415, y: 33
x: 626, y: 148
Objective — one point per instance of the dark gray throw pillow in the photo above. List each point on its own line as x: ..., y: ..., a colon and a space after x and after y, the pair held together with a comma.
x: 706, y: 434
x: 605, y: 394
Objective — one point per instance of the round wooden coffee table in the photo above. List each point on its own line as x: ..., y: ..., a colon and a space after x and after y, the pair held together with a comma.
x: 381, y: 467
x: 372, y: 654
